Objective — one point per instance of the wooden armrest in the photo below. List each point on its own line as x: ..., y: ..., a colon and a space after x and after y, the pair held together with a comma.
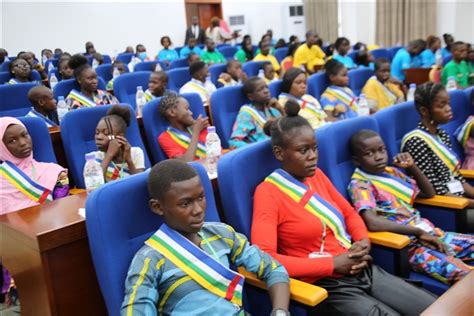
x: 388, y: 239
x: 75, y: 191
x: 453, y: 202
x: 469, y: 174
x: 301, y: 292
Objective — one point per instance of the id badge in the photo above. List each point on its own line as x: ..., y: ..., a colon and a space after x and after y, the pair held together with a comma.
x: 424, y: 226
x: 322, y: 254
x: 455, y: 186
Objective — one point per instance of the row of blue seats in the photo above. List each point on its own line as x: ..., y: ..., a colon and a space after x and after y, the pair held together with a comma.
x: 116, y: 232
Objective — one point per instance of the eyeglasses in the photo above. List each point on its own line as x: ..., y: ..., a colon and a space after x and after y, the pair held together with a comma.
x: 22, y: 66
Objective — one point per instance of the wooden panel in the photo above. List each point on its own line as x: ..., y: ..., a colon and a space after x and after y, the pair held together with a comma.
x: 417, y: 75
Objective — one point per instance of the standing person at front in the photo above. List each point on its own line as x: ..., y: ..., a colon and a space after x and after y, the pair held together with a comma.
x: 304, y: 222
x: 195, y: 31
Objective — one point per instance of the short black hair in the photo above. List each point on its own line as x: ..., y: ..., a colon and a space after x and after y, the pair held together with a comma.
x: 292, y: 49
x: 379, y: 62
x: 121, y: 116
x: 281, y: 126
x: 417, y: 43
x: 167, y: 102
x: 250, y: 85
x: 332, y: 67
x: 289, y: 77
x: 340, y: 41
x: 457, y: 45
x: 265, y: 64
x: 163, y: 38
x: 358, y: 138
x: 231, y: 62
x: 196, y: 67
x: 79, y: 64
x: 425, y: 95
x: 161, y: 74
x: 166, y: 172
x: 362, y: 58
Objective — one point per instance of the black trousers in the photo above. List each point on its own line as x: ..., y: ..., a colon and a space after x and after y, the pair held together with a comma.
x: 373, y: 292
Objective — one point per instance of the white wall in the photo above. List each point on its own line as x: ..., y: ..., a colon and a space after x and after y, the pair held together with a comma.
x: 457, y: 18
x: 358, y: 20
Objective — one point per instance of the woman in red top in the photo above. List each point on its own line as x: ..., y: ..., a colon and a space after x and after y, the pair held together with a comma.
x: 302, y: 221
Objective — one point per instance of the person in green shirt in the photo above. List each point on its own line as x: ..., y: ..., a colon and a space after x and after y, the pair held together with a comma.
x: 470, y: 65
x: 457, y: 67
x: 245, y: 53
x: 211, y: 55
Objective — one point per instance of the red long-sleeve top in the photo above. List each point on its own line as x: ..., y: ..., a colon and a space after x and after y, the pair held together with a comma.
x: 290, y: 233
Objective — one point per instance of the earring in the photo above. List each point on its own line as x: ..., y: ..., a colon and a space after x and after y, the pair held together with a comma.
x: 432, y: 122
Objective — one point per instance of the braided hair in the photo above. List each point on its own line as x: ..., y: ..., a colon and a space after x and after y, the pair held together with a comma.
x: 425, y: 95
x: 168, y: 101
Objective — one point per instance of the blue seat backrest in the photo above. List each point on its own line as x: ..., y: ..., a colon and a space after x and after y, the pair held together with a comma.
x: 334, y: 152
x: 6, y: 76
x: 107, y: 59
x: 155, y: 124
x: 240, y: 172
x: 55, y: 72
x: 5, y: 65
x: 42, y: 145
x: 178, y: 77
x: 317, y: 83
x: 393, y: 51
x: 149, y: 66
x: 105, y: 72
x: 280, y: 53
x: 251, y: 68
x: 65, y: 86
x: 179, y: 63
x: 78, y: 135
x: 395, y: 121
x: 125, y: 57
x: 219, y: 46
x: 275, y: 88
x: 358, y: 78
x: 119, y: 221
x: 225, y: 105
x: 353, y: 55
x: 15, y: 97
x: 447, y: 59
x: 125, y: 86
x: 53, y: 61
x: 228, y: 51
x: 215, y: 71
x: 380, y: 53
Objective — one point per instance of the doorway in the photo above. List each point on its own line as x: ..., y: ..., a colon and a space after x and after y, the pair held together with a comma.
x: 205, y: 10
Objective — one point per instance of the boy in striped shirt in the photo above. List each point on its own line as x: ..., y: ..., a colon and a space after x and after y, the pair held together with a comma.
x: 184, y: 267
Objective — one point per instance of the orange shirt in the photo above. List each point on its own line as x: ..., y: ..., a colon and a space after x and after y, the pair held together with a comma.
x: 173, y: 149
x: 289, y: 233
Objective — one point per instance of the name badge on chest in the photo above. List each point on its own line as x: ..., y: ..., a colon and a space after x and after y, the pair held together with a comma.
x: 455, y: 186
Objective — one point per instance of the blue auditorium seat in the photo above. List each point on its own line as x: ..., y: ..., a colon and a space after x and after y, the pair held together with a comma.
x: 225, y: 105
x: 380, y: 53
x: 125, y: 86
x: 53, y: 61
x: 125, y: 57
x: 118, y: 221
x: 251, y: 68
x: 215, y: 71
x: 353, y: 55
x: 275, y: 88
x: 317, y: 83
x: 149, y: 66
x: 155, y: 124
x: 14, y: 99
x: 78, y: 136
x: 393, y: 51
x: 447, y: 59
x: 228, y: 51
x: 177, y: 78
x: 105, y: 72
x: 280, y: 53
x: 42, y: 145
x: 358, y: 78
x: 6, y: 76
x: 65, y: 86
x: 179, y: 63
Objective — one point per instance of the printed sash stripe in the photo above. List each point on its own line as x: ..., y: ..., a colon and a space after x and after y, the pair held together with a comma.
x: 24, y: 183
x: 148, y: 95
x: 390, y: 95
x: 462, y: 132
x: 183, y: 140
x: 343, y: 95
x: 447, y: 156
x: 34, y: 113
x: 202, y: 268
x: 255, y: 114
x: 196, y: 86
x: 305, y: 104
x: 395, y: 186
x: 318, y: 207
x: 82, y: 99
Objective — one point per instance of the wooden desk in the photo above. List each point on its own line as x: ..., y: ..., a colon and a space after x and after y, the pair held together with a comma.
x: 46, y: 250
x: 458, y: 300
x: 417, y: 75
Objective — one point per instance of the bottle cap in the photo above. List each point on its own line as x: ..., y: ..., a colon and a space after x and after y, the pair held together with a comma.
x: 362, y: 95
x: 60, y: 98
x: 90, y: 156
x: 139, y: 88
x: 412, y: 85
x: 211, y: 129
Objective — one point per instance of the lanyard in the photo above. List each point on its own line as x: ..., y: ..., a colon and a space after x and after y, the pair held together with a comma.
x: 214, y: 253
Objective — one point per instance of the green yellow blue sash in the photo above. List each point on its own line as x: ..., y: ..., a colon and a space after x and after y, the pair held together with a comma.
x: 24, y: 183
x: 201, y: 267
x: 198, y: 87
x: 34, y: 113
x: 390, y: 95
x: 255, y: 114
x: 306, y: 105
x: 184, y: 139
x: 82, y: 99
x: 446, y: 155
x: 345, y: 95
x: 300, y: 194
x: 463, y: 131
x: 114, y: 172
x: 391, y: 184
x: 148, y: 95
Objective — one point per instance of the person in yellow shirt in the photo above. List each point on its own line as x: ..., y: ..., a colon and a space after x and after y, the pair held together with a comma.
x: 309, y: 55
x: 265, y: 55
x: 380, y: 90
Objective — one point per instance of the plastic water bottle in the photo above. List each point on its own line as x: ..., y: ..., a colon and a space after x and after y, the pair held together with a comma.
x: 53, y: 81
x: 411, y: 92
x: 95, y: 63
x: 140, y: 100
x: 158, y: 67
x: 115, y: 73
x: 363, y: 106
x: 213, y: 150
x: 210, y: 88
x: 93, y: 175
x: 261, y: 74
x: 50, y: 67
x: 61, y: 108
x: 44, y: 59
x: 438, y: 57
x: 451, y: 85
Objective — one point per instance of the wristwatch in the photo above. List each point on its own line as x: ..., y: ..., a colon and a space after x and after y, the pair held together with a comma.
x: 280, y: 312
